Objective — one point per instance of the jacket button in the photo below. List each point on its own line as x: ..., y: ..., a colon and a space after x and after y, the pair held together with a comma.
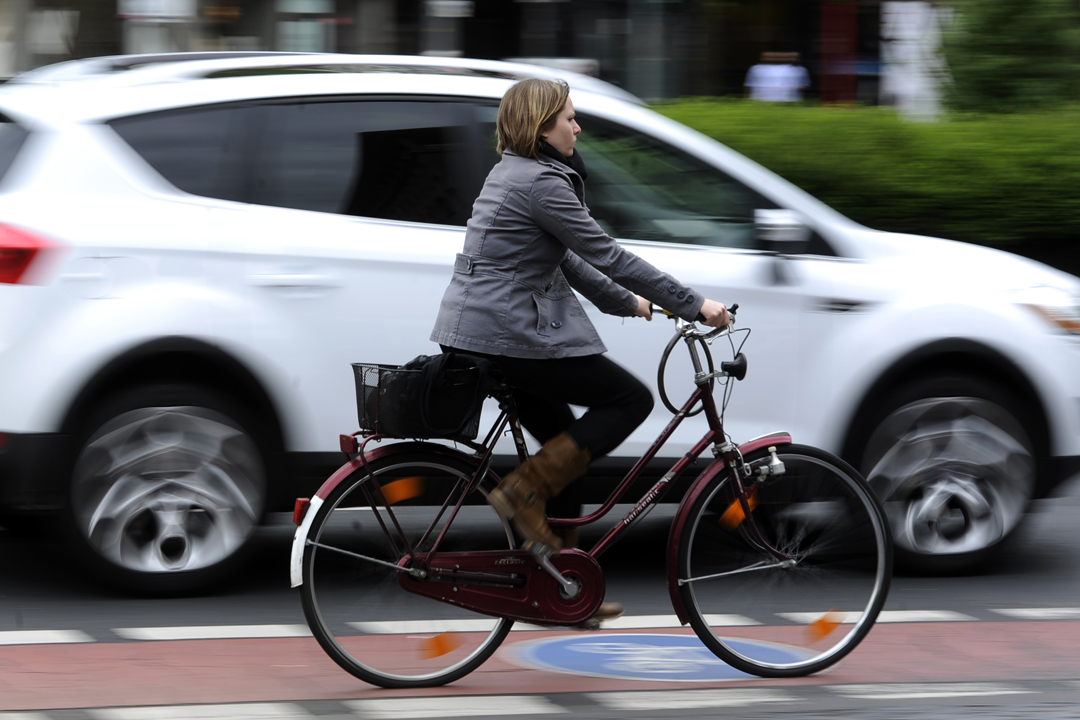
x: 548, y: 287
x: 671, y: 288
x: 681, y: 294
x: 556, y: 324
x: 689, y: 298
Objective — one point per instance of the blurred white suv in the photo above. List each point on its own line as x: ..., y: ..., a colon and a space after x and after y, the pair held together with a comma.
x: 193, y: 248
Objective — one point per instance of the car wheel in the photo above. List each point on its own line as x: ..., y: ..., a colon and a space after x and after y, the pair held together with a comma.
x: 950, y: 459
x: 168, y: 486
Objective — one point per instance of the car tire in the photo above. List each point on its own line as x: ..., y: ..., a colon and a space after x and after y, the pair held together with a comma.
x: 168, y: 485
x: 950, y: 458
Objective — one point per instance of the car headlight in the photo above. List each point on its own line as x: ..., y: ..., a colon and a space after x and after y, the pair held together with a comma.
x: 1056, y: 306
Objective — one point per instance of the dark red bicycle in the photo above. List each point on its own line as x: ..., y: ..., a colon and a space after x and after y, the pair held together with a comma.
x: 779, y: 556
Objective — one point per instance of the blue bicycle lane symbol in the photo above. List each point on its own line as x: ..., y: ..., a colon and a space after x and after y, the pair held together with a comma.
x: 669, y: 658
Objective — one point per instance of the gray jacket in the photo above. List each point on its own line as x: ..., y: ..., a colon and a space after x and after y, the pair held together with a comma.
x: 530, y: 242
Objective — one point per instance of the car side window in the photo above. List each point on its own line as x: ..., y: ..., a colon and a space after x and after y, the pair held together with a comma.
x: 199, y: 150
x: 641, y: 189
x: 11, y: 140
x: 396, y: 160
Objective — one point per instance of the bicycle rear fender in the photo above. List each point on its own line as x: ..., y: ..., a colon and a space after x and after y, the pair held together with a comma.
x: 683, y: 513
x: 300, y: 538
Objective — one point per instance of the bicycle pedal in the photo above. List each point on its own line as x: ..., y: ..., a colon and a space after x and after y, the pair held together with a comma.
x: 539, y: 550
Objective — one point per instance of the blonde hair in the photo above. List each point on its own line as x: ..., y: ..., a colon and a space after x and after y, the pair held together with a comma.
x: 528, y: 108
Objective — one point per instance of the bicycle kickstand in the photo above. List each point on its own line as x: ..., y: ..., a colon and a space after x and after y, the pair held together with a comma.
x: 542, y: 553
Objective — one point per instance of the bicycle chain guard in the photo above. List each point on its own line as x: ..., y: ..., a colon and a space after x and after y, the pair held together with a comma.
x: 510, y: 584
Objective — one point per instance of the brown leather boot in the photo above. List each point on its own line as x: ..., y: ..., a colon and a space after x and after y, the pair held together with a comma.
x: 522, y: 496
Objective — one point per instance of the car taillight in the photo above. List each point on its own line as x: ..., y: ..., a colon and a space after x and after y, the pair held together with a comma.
x: 17, y: 250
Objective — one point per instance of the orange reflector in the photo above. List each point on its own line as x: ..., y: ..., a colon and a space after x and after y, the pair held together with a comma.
x: 299, y: 510
x: 439, y: 645
x: 824, y: 625
x: 403, y: 489
x: 734, y: 515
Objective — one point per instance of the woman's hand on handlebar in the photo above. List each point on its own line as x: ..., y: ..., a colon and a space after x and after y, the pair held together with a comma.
x: 644, y: 308
x: 715, y: 314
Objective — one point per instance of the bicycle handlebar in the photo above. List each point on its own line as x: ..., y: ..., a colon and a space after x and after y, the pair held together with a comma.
x: 695, y: 339
x: 689, y: 328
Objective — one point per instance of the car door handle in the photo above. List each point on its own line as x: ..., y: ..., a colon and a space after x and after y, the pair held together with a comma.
x: 294, y: 280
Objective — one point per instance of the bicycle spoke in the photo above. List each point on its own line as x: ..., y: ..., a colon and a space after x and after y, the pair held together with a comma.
x: 365, y: 558
x: 751, y: 568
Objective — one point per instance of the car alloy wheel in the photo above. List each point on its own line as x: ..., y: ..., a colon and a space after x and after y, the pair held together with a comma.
x: 955, y: 474
x: 167, y: 489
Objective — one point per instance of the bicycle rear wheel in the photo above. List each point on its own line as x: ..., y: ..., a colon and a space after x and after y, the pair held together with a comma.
x: 356, y: 608
x: 776, y: 619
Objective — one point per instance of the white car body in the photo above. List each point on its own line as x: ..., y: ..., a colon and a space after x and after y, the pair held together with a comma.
x: 294, y: 296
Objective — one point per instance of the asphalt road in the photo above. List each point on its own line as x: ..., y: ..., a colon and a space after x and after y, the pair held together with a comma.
x: 995, y: 663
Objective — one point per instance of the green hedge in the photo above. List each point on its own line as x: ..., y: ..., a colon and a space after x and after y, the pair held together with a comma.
x: 1001, y: 179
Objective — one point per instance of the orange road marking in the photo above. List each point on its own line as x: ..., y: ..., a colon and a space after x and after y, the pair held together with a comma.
x: 824, y: 625
x: 439, y: 645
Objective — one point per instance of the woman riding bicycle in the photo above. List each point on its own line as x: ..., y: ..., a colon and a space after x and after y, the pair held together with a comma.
x: 530, y: 242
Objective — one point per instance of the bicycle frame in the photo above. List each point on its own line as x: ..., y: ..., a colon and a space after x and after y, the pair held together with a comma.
x: 730, y: 455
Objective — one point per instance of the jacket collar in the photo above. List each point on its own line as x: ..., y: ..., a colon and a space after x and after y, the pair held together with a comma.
x: 576, y: 182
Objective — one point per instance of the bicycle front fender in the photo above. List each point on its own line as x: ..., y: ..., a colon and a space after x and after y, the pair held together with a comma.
x: 296, y: 559
x: 678, y: 525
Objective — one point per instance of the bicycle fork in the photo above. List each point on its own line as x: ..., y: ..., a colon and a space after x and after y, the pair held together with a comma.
x: 737, y: 469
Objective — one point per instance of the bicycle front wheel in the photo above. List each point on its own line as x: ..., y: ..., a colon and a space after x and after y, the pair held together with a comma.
x: 800, y: 612
x: 353, y: 600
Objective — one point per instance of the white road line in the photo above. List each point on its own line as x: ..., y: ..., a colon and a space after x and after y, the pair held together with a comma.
x: 906, y: 616
x: 636, y: 622
x: 687, y: 699
x: 1059, y: 613
x: 886, y: 616
x: 915, y: 691
x: 244, y: 711
x: 213, y: 632
x: 424, y: 627
x: 473, y: 706
x: 43, y: 637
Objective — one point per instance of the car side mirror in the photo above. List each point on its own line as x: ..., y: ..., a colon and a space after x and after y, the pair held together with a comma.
x: 781, y: 231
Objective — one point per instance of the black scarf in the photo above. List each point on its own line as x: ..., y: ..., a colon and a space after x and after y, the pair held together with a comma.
x: 574, y: 162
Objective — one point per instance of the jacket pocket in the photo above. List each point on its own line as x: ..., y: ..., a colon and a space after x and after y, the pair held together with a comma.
x: 543, y: 314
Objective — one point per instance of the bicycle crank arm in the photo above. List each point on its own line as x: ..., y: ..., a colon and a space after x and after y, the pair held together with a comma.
x: 543, y: 553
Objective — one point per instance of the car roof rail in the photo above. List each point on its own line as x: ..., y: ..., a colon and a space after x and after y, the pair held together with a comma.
x: 130, y: 62
x: 120, y: 70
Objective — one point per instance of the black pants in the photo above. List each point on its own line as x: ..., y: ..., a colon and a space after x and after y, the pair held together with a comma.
x: 617, y: 403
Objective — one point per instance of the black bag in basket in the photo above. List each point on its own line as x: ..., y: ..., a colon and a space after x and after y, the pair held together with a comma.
x: 431, y: 396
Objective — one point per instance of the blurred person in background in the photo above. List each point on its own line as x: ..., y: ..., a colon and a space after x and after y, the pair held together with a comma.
x: 529, y: 244
x: 777, y: 78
